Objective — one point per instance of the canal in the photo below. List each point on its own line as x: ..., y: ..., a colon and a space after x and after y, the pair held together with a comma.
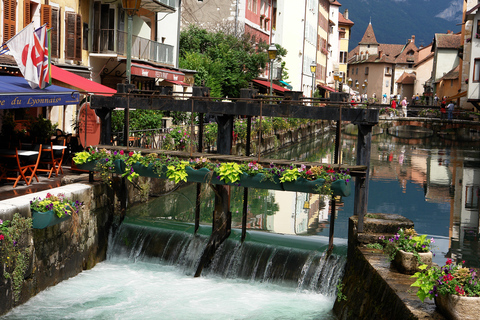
x: 432, y: 181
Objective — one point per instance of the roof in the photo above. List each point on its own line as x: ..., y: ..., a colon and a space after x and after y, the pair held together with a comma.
x: 407, y: 78
x: 335, y: 3
x: 343, y: 21
x: 409, y: 54
x: 452, y: 74
x: 267, y: 84
x: 447, y: 41
x: 389, y: 54
x: 369, y: 36
x: 429, y: 57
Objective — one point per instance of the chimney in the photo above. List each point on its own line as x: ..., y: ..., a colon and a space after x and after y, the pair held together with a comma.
x: 413, y: 39
x: 449, y: 32
x: 380, y: 54
x: 345, y: 14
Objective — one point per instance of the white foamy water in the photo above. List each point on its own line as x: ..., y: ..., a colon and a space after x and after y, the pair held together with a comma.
x: 121, y: 289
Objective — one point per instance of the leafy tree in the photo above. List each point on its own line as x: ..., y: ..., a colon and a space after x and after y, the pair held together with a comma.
x: 224, y: 61
x: 139, y: 119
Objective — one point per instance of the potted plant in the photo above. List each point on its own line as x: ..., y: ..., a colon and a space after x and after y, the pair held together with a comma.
x: 408, y: 251
x: 455, y: 289
x: 104, y: 161
x: 14, y: 251
x: 52, y: 210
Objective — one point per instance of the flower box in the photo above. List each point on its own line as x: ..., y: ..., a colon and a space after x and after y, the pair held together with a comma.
x: 118, y: 166
x: 202, y: 175
x: 458, y: 307
x: 87, y: 166
x: 259, y: 181
x: 149, y: 171
x: 42, y: 220
x: 407, y: 262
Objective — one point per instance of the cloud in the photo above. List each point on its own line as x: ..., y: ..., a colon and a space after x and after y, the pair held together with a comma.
x: 452, y: 12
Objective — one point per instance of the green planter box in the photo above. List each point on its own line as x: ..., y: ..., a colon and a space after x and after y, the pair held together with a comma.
x: 118, y: 166
x: 303, y: 185
x: 149, y: 171
x: 89, y: 166
x: 259, y: 181
x: 42, y: 220
x: 202, y: 175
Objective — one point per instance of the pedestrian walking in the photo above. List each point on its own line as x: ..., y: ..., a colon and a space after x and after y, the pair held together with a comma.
x: 450, y: 108
x: 404, y: 104
x: 384, y: 98
x: 436, y: 99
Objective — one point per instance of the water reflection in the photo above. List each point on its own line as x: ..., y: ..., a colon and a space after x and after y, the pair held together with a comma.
x: 434, y: 182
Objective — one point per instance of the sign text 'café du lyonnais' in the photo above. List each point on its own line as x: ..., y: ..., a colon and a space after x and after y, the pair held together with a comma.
x: 22, y: 102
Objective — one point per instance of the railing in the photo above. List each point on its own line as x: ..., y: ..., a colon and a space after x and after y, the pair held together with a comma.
x: 115, y: 41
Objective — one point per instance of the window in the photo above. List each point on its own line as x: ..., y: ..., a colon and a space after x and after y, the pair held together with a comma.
x: 471, y: 197
x: 254, y: 8
x: 387, y: 83
x: 366, y: 70
x: 356, y: 71
x: 476, y: 70
x: 249, y: 5
x: 387, y: 71
x: 73, y: 36
x: 29, y: 8
x: 9, y: 19
x: 343, y: 57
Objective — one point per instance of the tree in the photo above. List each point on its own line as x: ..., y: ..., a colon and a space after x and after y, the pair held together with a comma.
x: 225, y: 62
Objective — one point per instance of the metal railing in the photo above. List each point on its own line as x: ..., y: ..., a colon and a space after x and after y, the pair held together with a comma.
x: 115, y: 41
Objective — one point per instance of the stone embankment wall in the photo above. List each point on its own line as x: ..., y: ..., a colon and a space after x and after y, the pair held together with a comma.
x: 374, y: 289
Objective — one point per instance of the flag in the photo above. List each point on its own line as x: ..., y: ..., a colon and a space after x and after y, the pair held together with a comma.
x: 22, y: 48
x: 41, y: 56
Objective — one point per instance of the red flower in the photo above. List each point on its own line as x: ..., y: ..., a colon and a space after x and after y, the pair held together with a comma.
x: 2, y: 237
x: 331, y: 171
x: 130, y: 153
x: 309, y: 172
x: 460, y: 290
x: 449, y: 261
x: 122, y: 152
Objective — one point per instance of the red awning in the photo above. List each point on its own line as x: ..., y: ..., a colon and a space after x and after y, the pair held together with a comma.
x: 145, y: 70
x: 327, y: 88
x: 180, y: 83
x: 79, y: 82
x: 274, y: 86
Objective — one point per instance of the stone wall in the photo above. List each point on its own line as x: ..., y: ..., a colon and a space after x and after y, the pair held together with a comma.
x: 372, y: 287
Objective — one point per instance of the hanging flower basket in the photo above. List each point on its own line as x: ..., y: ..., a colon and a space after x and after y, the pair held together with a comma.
x: 42, y: 220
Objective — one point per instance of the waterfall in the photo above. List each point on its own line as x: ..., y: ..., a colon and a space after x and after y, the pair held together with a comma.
x: 262, y: 257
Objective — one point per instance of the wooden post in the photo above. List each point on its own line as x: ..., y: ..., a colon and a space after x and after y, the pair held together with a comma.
x: 364, y: 143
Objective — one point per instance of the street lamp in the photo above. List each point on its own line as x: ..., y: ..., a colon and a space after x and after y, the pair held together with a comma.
x: 336, y: 76
x: 131, y: 7
x: 272, y: 55
x: 313, y: 68
x: 340, y: 79
x: 349, y: 81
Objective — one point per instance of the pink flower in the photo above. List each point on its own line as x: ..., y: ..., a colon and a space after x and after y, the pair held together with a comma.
x: 2, y: 237
x: 449, y: 261
x: 122, y: 152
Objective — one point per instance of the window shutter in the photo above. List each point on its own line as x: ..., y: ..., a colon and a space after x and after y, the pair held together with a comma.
x: 70, y: 37
x: 78, y: 38
x: 55, y: 32
x: 9, y: 19
x: 27, y: 15
x: 46, y: 15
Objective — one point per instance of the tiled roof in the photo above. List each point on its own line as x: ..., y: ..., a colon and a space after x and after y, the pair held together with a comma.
x: 7, y: 60
x: 369, y: 36
x: 448, y: 41
x: 452, y: 74
x: 343, y: 21
x: 389, y: 53
x: 335, y: 3
x: 409, y: 54
x: 407, y: 78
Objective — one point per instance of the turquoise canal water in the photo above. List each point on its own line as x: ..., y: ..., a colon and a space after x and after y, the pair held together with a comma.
x: 281, y: 272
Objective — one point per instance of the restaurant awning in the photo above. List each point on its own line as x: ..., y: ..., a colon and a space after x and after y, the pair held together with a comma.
x: 326, y: 88
x: 180, y: 83
x: 16, y: 93
x: 79, y: 82
x: 267, y: 84
x: 145, y: 70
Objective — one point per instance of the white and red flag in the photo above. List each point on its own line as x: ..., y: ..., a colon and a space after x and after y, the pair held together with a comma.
x: 29, y: 47
x: 21, y: 46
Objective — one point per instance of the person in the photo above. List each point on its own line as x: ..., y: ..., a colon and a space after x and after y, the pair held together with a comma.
x: 352, y: 103
x: 450, y: 108
x: 443, y: 109
x: 384, y: 98
x: 393, y: 105
x: 404, y: 104
x: 413, y: 100
x: 436, y: 99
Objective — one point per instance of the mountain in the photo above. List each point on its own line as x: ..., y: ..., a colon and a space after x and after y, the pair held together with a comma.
x: 395, y: 21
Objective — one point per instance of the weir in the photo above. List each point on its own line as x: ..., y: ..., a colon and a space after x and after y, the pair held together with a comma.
x: 293, y: 261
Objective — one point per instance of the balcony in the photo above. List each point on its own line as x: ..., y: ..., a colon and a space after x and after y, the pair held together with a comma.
x: 115, y: 41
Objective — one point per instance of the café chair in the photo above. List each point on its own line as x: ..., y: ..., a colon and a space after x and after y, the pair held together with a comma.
x: 23, y: 169
x: 47, y: 161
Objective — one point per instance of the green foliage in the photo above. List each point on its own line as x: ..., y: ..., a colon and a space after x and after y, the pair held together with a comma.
x: 290, y: 175
x: 224, y: 61
x: 14, y: 250
x: 229, y: 172
x: 407, y: 240
x: 340, y: 296
x: 139, y: 119
x: 374, y: 246
x: 210, y: 133
x: 40, y: 129
x: 176, y: 172
x: 450, y: 279
x: 177, y: 138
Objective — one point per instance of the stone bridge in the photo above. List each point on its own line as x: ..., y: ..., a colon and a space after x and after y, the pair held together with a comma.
x: 414, y: 128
